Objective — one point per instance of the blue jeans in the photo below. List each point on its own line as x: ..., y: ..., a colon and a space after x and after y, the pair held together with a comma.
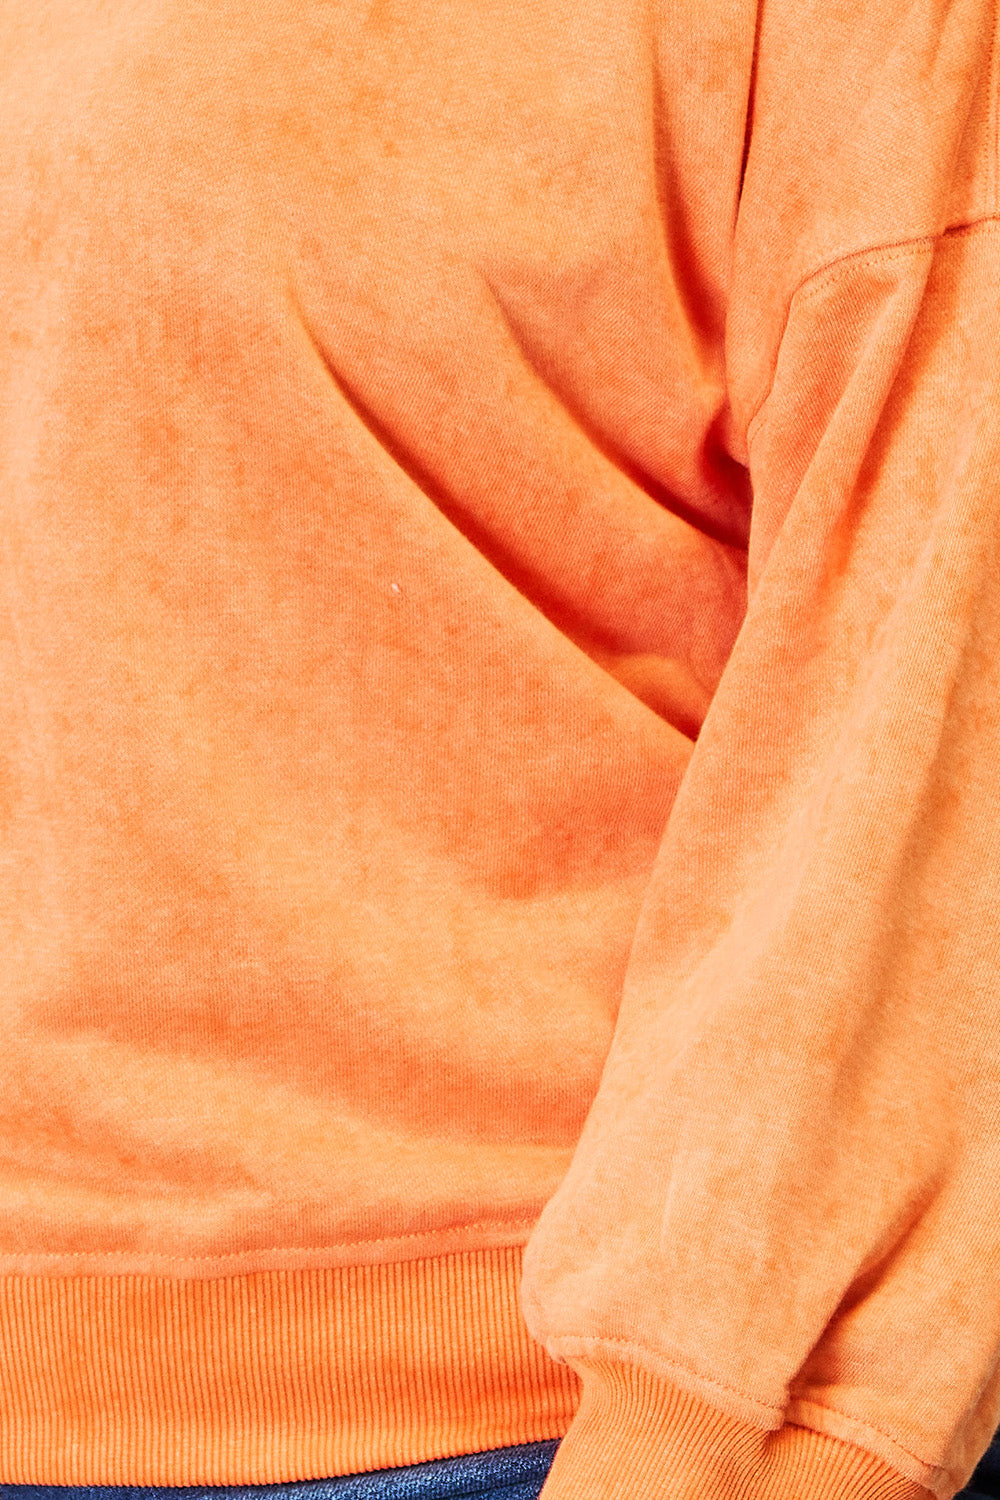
x: 985, y: 1482
x: 501, y: 1473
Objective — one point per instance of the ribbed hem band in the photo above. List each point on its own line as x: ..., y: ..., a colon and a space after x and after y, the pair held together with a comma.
x: 279, y: 1376
x: 275, y: 1376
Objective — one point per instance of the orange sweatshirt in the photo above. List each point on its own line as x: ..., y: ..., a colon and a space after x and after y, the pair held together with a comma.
x: 500, y: 690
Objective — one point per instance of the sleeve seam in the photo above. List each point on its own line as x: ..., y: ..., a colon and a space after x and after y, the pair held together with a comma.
x: 595, y: 1349
x: 832, y: 270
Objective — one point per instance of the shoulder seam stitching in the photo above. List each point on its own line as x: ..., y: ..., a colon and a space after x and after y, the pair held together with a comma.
x: 880, y: 251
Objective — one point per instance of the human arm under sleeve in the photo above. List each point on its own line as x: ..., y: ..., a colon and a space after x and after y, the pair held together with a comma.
x: 783, y: 1203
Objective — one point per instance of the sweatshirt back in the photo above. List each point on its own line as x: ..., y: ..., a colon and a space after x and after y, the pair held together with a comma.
x: 499, y: 742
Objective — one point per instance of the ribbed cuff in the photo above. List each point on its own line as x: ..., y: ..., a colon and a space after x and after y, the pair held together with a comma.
x: 637, y: 1434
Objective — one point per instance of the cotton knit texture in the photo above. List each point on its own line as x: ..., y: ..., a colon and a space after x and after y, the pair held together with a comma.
x: 500, y: 742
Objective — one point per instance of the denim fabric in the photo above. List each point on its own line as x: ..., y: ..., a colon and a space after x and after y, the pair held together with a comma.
x: 985, y: 1482
x: 516, y: 1473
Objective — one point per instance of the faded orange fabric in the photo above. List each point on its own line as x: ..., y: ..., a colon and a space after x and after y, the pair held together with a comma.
x: 500, y: 681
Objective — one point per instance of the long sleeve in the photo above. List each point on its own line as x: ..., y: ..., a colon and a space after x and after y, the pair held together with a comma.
x: 775, y: 1258
x: 499, y: 742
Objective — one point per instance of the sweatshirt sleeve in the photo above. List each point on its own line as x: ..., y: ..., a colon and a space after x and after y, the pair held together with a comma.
x: 774, y: 1261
